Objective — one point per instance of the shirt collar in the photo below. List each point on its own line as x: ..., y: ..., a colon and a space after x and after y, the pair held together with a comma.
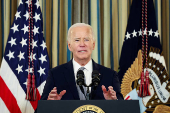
x: 76, y: 66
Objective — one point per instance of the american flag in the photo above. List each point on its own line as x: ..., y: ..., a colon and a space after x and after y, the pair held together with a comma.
x: 14, y: 67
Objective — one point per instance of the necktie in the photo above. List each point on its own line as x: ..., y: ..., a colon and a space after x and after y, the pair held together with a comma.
x: 81, y: 68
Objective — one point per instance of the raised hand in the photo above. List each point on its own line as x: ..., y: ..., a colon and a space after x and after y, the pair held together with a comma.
x: 53, y: 95
x: 110, y: 94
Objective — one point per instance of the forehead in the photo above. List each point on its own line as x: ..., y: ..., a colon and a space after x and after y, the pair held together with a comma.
x: 80, y: 30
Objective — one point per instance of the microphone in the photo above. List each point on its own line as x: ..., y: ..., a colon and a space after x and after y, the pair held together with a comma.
x: 95, y: 78
x: 80, y: 78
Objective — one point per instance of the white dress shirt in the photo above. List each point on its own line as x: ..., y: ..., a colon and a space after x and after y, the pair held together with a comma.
x: 87, y: 75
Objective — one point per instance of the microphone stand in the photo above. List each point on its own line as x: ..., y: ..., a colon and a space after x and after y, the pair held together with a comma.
x: 88, y: 92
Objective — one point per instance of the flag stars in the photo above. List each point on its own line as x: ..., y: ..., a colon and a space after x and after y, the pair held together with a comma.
x: 37, y: 17
x: 158, y: 101
x: 134, y: 33
x: 35, y: 30
x: 150, y: 32
x: 32, y: 56
x: 41, y: 71
x: 127, y: 35
x: 20, y: 2
x: 140, y: 32
x: 154, y: 66
x: 12, y: 42
x: 26, y: 15
x: 25, y: 29
x: 43, y: 45
x: 158, y: 68
x: 156, y: 34
x: 19, y: 69
x: 10, y: 55
x: 28, y: 2
x: 25, y: 82
x: 37, y: 4
x: 34, y: 44
x: 23, y: 42
x: 150, y: 64
x: 31, y: 71
x: 161, y: 72
x: 152, y: 102
x: 150, y: 106
x: 42, y: 58
x: 145, y: 32
x: 156, y: 96
x: 15, y: 28
x: 21, y: 56
x: 17, y: 15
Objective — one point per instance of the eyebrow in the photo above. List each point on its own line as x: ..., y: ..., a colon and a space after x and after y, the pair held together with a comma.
x: 76, y: 38
x: 79, y: 38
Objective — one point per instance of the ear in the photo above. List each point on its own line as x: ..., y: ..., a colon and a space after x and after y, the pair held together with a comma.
x: 93, y: 45
x: 69, y: 46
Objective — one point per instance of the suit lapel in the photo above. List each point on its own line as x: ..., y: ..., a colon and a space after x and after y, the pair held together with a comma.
x: 97, y: 67
x: 70, y: 78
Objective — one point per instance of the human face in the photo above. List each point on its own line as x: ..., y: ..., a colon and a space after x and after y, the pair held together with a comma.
x: 81, y: 43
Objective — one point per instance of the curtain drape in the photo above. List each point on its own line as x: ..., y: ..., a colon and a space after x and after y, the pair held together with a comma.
x: 107, y: 17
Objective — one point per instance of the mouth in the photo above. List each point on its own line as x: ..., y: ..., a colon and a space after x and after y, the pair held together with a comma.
x: 82, y: 51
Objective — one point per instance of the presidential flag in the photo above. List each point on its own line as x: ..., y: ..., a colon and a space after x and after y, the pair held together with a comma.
x: 133, y: 35
x: 25, y: 53
x: 142, y: 27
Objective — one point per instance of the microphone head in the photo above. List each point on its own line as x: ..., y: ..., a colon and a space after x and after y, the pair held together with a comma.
x: 95, y: 73
x: 80, y: 78
x: 80, y: 73
x: 95, y: 78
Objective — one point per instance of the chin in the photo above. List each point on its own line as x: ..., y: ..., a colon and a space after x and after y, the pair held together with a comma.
x: 83, y: 58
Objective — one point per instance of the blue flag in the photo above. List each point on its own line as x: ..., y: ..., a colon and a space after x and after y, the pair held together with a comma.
x: 133, y: 36
x: 130, y: 64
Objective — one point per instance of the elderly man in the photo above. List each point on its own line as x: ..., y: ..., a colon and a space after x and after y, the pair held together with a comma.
x: 61, y: 81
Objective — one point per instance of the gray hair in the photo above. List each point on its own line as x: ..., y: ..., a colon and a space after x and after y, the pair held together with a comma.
x: 79, y: 25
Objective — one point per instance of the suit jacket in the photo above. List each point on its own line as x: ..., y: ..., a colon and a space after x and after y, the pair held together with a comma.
x: 63, y: 78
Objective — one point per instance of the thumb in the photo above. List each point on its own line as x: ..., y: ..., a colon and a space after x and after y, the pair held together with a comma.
x: 104, y: 89
x: 62, y: 93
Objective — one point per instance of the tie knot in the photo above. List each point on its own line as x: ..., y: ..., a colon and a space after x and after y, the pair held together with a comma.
x: 82, y: 68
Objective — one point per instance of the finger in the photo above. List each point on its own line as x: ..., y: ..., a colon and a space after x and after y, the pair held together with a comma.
x: 55, y: 88
x: 113, y: 94
x: 110, y: 87
x: 113, y: 97
x: 62, y: 93
x: 50, y: 98
x: 112, y: 91
x: 53, y: 91
x: 53, y: 95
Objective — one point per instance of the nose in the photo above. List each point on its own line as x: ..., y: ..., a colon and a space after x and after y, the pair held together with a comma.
x: 82, y: 43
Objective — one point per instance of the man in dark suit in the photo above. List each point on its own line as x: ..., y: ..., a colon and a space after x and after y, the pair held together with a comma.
x: 61, y: 81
